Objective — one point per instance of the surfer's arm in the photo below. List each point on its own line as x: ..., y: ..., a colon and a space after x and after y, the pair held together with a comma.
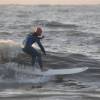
x: 40, y: 37
x: 41, y: 46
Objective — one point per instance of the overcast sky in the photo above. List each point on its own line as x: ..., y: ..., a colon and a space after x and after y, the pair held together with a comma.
x: 49, y: 1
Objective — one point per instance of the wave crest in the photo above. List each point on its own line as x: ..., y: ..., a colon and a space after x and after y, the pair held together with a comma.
x: 55, y: 24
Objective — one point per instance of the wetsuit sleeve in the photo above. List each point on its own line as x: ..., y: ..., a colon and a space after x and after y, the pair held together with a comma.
x: 41, y: 46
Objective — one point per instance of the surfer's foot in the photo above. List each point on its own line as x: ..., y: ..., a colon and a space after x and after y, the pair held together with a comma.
x: 33, y: 68
x: 44, y: 69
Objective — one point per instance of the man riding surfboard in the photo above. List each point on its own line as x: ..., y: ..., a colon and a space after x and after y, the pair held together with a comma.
x: 31, y: 38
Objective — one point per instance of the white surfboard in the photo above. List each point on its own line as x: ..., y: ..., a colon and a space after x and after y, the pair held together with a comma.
x: 51, y: 72
x: 62, y: 71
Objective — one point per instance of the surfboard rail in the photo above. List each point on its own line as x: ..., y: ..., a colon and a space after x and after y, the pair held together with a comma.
x: 51, y: 72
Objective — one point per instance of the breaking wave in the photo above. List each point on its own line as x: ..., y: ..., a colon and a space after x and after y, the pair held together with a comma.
x: 11, y: 54
x: 54, y: 24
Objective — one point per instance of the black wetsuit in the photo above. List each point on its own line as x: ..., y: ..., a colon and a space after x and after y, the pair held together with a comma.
x: 30, y: 39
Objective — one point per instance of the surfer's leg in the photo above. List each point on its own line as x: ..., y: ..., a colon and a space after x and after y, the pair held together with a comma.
x: 32, y: 53
x: 39, y: 59
x: 33, y: 60
x: 37, y: 55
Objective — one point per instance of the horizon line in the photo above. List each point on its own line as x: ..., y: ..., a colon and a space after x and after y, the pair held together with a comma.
x: 53, y: 4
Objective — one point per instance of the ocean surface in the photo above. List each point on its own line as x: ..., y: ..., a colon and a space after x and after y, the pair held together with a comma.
x: 72, y: 39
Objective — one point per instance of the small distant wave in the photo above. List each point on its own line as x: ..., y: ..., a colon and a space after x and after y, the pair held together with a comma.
x: 20, y: 26
x: 58, y: 24
x: 64, y: 10
x: 96, y: 40
x: 55, y: 24
x: 5, y: 33
x: 79, y: 33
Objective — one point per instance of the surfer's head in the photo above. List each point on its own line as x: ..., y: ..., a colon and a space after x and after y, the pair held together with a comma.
x: 37, y: 31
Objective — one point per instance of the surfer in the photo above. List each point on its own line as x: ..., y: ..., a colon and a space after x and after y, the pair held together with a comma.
x: 34, y: 36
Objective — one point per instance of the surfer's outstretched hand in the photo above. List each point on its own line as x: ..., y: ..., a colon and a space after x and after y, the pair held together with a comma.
x: 45, y: 54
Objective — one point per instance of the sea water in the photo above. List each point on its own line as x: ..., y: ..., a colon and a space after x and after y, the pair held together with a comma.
x: 72, y: 38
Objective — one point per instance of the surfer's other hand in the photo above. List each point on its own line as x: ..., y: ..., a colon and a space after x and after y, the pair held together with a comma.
x: 43, y: 36
x: 45, y: 54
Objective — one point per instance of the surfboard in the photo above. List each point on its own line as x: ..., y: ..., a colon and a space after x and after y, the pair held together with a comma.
x: 51, y: 72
